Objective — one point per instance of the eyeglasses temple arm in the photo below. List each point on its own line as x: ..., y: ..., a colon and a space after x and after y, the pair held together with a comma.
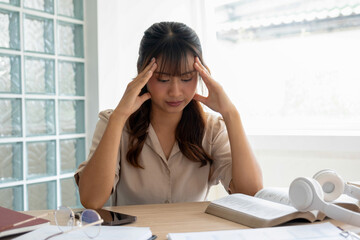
x: 51, y: 236
x: 85, y: 226
x: 76, y: 228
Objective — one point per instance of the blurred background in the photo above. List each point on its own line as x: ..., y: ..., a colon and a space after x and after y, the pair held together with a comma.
x: 291, y: 68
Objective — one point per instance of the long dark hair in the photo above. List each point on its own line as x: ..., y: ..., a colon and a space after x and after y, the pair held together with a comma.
x: 173, y: 42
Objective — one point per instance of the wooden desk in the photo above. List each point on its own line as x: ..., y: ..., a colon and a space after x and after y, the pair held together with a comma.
x: 178, y: 217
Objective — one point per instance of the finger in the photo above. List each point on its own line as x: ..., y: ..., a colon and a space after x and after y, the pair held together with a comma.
x: 200, y: 98
x: 144, y: 97
x: 205, y: 77
x: 202, y: 71
x: 148, y: 67
x: 197, y: 60
x: 201, y: 66
x: 140, y: 81
x: 150, y: 72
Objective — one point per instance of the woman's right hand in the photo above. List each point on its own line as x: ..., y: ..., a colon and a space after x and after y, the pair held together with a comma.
x: 97, y: 178
x: 131, y: 101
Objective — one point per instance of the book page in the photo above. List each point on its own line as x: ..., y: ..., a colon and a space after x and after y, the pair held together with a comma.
x: 281, y: 195
x: 348, y: 202
x: 255, y: 206
x: 275, y: 194
x: 355, y: 183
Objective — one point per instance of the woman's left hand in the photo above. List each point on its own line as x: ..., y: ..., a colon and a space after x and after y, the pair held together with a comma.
x: 217, y: 99
x: 246, y: 172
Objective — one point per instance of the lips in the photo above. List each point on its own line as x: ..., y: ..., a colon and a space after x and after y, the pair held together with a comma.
x: 174, y: 104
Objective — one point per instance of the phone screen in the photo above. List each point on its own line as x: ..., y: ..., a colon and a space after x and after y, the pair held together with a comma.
x: 114, y: 218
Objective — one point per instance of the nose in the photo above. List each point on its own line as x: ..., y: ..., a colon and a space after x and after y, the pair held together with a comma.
x: 175, y: 88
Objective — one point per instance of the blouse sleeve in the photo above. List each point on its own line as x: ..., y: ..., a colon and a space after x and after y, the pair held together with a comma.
x: 98, y: 133
x: 221, y: 169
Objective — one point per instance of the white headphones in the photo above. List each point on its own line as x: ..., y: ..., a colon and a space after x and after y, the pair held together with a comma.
x: 333, y: 185
x: 306, y: 194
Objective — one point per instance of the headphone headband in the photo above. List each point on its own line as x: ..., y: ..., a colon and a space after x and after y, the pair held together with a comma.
x: 306, y: 194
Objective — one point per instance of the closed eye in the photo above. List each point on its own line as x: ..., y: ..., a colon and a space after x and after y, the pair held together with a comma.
x: 162, y: 80
x: 187, y: 77
x: 186, y: 80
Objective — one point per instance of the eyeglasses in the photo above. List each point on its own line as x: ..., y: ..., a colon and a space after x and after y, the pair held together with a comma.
x: 67, y: 221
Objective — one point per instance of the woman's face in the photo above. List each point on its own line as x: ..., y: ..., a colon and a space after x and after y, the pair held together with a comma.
x: 171, y: 94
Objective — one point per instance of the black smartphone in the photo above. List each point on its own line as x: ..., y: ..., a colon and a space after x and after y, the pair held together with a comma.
x: 113, y: 218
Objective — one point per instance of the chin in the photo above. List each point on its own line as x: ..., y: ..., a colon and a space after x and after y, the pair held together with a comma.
x: 178, y: 110
x: 175, y: 109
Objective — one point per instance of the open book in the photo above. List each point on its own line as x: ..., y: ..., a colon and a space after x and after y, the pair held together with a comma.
x: 269, y: 207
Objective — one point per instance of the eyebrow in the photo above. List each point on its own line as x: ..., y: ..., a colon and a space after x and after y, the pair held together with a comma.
x: 164, y: 73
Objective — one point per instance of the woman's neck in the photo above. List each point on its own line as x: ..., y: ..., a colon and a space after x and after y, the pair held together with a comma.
x: 165, y: 120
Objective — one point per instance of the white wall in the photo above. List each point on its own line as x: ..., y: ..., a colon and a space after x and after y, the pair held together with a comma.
x: 113, y: 30
x: 91, y: 69
x: 121, y: 25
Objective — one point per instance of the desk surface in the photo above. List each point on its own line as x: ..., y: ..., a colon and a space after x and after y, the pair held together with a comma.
x: 179, y: 217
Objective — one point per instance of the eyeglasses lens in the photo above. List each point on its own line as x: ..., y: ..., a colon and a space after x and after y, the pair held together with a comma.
x: 64, y: 217
x: 89, y: 216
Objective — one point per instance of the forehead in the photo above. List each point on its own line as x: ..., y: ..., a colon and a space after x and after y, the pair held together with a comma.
x: 175, y: 66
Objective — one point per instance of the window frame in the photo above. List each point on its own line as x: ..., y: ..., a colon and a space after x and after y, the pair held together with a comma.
x: 88, y: 6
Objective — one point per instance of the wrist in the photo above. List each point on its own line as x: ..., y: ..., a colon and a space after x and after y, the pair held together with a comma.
x: 118, y: 118
x: 230, y: 112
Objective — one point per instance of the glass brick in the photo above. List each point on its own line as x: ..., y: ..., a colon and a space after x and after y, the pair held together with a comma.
x: 71, y: 78
x: 38, y: 34
x: 40, y: 117
x: 10, y: 117
x: 41, y: 158
x: 10, y: 76
x: 69, y: 193
x: 72, y: 153
x: 12, y: 198
x: 11, y: 2
x: 42, y: 196
x: 11, y: 162
x: 40, y: 5
x: 70, y: 8
x: 9, y: 29
x: 39, y: 75
x: 70, y: 39
x: 71, y: 116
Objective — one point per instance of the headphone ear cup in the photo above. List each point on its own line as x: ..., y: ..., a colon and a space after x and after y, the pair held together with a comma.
x: 331, y: 183
x: 305, y: 194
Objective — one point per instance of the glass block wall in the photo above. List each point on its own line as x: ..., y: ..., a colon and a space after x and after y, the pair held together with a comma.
x: 42, y: 102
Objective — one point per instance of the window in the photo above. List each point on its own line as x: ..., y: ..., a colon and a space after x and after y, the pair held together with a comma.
x: 291, y: 66
x: 42, y: 102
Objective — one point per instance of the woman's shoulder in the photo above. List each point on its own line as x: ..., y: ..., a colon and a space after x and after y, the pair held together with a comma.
x: 213, y: 118
x: 214, y: 123
x: 105, y: 114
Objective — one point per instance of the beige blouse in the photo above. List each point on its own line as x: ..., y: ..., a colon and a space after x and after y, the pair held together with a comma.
x: 165, y: 181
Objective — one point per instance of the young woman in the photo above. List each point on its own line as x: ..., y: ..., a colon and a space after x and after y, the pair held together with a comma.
x: 158, y: 145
